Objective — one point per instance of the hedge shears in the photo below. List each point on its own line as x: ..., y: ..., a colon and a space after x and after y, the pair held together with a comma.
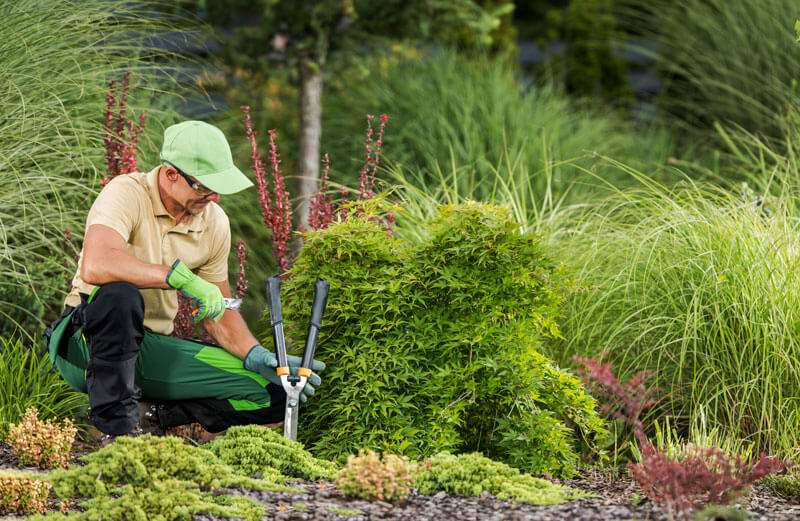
x: 230, y: 303
x: 293, y: 384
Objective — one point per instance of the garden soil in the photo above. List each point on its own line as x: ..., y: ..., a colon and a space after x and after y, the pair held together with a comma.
x: 323, y: 501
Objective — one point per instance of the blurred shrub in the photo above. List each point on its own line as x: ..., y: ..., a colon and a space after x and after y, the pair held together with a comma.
x: 371, y: 476
x: 590, y: 67
x: 459, y: 120
x: 728, y: 61
x: 434, y: 346
x: 22, y: 493
x: 39, y: 443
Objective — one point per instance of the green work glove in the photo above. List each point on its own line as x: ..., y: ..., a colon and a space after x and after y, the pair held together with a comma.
x: 208, y: 296
x: 263, y: 362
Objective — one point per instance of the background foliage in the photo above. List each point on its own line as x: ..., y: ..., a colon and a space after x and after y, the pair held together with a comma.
x: 52, y: 94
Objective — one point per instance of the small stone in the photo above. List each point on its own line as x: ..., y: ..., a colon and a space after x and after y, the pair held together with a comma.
x: 440, y: 495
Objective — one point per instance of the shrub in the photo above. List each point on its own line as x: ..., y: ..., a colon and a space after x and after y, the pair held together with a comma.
x: 253, y: 448
x: 698, y: 476
x: 41, y: 443
x: 22, y: 493
x: 434, y: 346
x: 472, y: 474
x: 29, y: 380
x: 469, y: 123
x: 371, y: 476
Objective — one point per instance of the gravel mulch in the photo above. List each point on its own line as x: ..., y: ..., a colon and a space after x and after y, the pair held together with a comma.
x: 322, y: 501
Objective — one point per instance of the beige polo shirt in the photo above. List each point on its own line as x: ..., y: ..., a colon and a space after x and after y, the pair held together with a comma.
x: 131, y: 205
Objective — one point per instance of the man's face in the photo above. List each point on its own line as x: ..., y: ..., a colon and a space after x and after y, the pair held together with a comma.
x: 195, y: 196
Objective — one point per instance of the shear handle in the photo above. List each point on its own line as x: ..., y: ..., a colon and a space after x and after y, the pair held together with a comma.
x: 321, y: 288
x: 276, y: 322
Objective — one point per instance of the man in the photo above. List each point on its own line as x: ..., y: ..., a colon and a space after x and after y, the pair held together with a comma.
x: 148, y: 234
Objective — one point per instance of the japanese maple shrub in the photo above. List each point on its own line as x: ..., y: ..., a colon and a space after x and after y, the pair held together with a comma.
x: 434, y: 345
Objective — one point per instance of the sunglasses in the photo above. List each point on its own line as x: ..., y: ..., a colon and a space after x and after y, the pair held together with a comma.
x: 193, y: 184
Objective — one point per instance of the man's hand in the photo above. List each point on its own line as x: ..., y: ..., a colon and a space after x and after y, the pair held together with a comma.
x: 263, y: 362
x: 208, y: 296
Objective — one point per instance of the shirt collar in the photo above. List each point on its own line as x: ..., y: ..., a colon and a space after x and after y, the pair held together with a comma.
x: 195, y: 224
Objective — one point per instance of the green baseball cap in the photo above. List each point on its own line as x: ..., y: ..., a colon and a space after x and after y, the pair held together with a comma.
x: 201, y: 151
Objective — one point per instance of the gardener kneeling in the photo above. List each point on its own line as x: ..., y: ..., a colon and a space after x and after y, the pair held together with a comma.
x: 148, y: 234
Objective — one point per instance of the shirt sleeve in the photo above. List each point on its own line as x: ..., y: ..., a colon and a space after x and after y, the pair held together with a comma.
x: 118, y: 206
x: 216, y: 269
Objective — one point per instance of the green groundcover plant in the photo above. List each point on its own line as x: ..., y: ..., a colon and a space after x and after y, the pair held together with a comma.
x: 472, y: 474
x: 155, y: 478
x: 435, y: 345
x: 252, y: 449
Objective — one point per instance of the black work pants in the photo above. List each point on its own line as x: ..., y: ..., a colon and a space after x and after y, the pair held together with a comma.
x: 104, y: 350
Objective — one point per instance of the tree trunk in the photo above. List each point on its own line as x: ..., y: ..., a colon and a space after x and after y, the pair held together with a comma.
x: 309, y: 137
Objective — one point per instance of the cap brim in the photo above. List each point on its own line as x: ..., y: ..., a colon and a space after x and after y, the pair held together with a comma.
x: 226, y: 182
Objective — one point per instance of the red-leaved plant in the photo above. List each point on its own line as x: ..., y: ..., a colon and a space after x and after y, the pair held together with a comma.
x: 120, y: 136
x: 276, y: 208
x: 705, y: 475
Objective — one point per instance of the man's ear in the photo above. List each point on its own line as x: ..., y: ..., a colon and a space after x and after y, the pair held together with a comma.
x: 171, y: 173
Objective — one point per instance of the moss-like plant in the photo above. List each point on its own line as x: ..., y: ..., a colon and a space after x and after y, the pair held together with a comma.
x: 785, y: 485
x: 155, y: 478
x: 249, y: 449
x: 471, y: 474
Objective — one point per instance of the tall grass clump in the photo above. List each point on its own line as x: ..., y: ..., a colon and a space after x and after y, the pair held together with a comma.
x: 700, y: 287
x: 27, y: 380
x: 55, y: 62
x: 732, y: 61
x: 460, y: 120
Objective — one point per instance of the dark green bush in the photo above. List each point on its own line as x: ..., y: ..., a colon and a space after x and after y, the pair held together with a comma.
x: 434, y: 346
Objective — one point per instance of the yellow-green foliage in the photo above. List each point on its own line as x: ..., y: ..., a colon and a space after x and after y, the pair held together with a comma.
x: 785, y: 485
x: 154, y: 478
x: 370, y: 476
x: 44, y: 444
x: 22, y: 492
x: 166, y: 500
x: 254, y: 448
x: 471, y: 474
